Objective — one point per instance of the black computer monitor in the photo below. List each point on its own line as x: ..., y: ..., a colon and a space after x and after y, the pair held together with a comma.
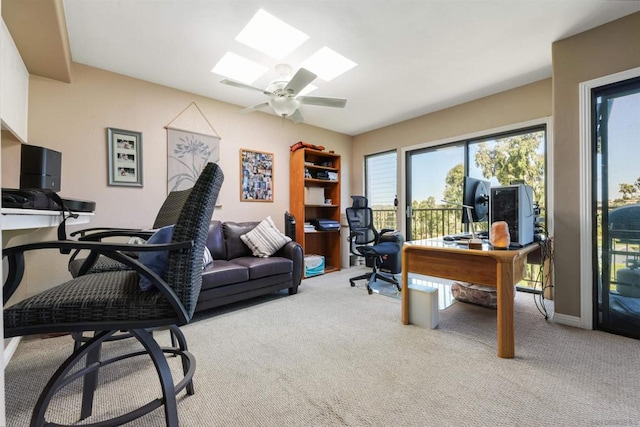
x: 475, y: 193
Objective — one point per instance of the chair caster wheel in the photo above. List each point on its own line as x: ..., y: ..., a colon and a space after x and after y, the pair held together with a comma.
x: 370, y: 291
x: 352, y: 284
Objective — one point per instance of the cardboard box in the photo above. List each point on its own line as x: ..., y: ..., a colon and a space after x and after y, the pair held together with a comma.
x: 313, y: 196
x: 313, y: 265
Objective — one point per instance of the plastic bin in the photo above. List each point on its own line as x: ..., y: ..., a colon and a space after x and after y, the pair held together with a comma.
x: 423, y: 306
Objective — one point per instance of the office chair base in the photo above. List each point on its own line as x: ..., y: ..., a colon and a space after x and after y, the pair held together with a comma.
x: 372, y: 277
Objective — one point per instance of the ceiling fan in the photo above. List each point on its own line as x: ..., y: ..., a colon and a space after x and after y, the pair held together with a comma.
x: 283, y: 94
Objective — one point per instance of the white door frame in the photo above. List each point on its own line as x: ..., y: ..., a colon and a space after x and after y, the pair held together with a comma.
x: 586, y: 202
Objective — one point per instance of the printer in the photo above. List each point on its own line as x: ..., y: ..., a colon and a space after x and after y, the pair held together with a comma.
x: 323, y: 224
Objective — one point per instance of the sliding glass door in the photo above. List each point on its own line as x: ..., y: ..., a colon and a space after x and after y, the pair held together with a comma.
x: 434, y: 177
x: 616, y: 210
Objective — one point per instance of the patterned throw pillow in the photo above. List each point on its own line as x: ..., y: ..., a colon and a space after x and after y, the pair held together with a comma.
x: 265, y: 239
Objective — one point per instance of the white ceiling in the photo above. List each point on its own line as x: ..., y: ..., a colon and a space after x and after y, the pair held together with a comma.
x: 414, y: 56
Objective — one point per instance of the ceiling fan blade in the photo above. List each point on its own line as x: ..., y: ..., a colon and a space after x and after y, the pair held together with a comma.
x: 299, y: 81
x: 243, y: 86
x: 254, y: 107
x: 322, y: 101
x: 296, y: 117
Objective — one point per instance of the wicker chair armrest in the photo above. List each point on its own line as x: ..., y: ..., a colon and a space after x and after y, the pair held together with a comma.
x: 85, y: 231
x: 16, y: 265
x: 97, y: 237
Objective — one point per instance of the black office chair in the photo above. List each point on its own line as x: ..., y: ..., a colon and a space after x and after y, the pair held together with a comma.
x: 112, y: 301
x: 364, y: 240
x: 167, y: 215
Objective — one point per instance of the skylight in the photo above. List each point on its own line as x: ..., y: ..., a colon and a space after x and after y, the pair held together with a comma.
x: 328, y: 64
x: 238, y: 68
x: 271, y: 36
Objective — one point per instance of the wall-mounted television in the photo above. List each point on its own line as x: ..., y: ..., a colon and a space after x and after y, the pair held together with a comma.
x: 475, y: 193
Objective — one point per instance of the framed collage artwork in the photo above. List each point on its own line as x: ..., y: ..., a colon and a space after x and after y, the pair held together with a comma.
x: 256, y: 176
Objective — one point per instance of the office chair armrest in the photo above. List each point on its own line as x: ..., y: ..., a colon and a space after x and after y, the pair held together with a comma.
x: 354, y: 234
x: 15, y: 261
x: 386, y: 230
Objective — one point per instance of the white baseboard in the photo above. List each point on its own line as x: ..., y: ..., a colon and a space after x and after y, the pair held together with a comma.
x: 565, y: 319
x: 10, y: 346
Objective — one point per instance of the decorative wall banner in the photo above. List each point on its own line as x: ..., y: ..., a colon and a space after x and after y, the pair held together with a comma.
x: 187, y: 155
x: 256, y: 176
x: 191, y: 143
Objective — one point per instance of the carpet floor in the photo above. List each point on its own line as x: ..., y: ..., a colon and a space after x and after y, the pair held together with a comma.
x: 332, y: 355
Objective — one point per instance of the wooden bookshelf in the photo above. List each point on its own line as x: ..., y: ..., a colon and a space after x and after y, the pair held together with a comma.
x: 325, y: 243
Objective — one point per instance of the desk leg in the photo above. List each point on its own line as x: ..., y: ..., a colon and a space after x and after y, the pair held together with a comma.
x: 405, y: 289
x: 506, y: 337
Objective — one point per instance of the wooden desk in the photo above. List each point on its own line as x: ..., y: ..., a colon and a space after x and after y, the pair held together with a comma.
x: 498, y: 268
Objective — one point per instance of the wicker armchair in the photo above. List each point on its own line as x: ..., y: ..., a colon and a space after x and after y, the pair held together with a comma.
x: 167, y: 215
x: 112, y: 301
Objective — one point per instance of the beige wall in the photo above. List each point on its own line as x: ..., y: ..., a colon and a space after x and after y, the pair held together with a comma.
x: 518, y: 105
x: 72, y: 118
x: 605, y: 50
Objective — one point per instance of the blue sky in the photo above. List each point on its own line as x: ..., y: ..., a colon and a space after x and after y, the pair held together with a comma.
x: 624, y: 143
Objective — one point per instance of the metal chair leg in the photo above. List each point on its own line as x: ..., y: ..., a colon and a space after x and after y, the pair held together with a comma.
x: 91, y: 349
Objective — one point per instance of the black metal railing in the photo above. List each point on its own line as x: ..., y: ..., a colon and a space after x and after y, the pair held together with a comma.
x: 437, y: 222
x: 426, y: 223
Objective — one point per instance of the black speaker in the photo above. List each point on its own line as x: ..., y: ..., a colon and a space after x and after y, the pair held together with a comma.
x: 40, y: 168
x: 290, y: 226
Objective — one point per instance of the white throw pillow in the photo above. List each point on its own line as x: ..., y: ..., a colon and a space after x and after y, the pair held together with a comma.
x: 265, y: 239
x: 207, y: 258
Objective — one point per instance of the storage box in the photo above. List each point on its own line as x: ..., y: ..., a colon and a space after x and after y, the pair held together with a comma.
x: 314, y: 196
x: 423, y: 306
x: 313, y: 265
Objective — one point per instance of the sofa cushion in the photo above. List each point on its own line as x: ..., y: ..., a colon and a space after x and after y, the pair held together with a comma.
x: 263, y: 267
x: 232, y: 232
x: 222, y: 273
x: 215, y: 241
x: 265, y: 239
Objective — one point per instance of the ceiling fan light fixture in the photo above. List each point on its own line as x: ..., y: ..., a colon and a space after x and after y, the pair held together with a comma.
x: 284, y: 106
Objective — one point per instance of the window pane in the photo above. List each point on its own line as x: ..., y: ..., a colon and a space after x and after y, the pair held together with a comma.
x: 380, y: 185
x: 436, y: 176
x: 512, y: 158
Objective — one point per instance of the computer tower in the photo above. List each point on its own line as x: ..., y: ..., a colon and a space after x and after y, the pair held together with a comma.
x: 514, y: 205
x: 40, y: 168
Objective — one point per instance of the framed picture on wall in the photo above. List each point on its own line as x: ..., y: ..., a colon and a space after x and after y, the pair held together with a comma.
x: 256, y: 176
x: 125, y: 157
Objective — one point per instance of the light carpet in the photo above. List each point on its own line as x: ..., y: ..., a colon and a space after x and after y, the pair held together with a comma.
x: 332, y: 355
